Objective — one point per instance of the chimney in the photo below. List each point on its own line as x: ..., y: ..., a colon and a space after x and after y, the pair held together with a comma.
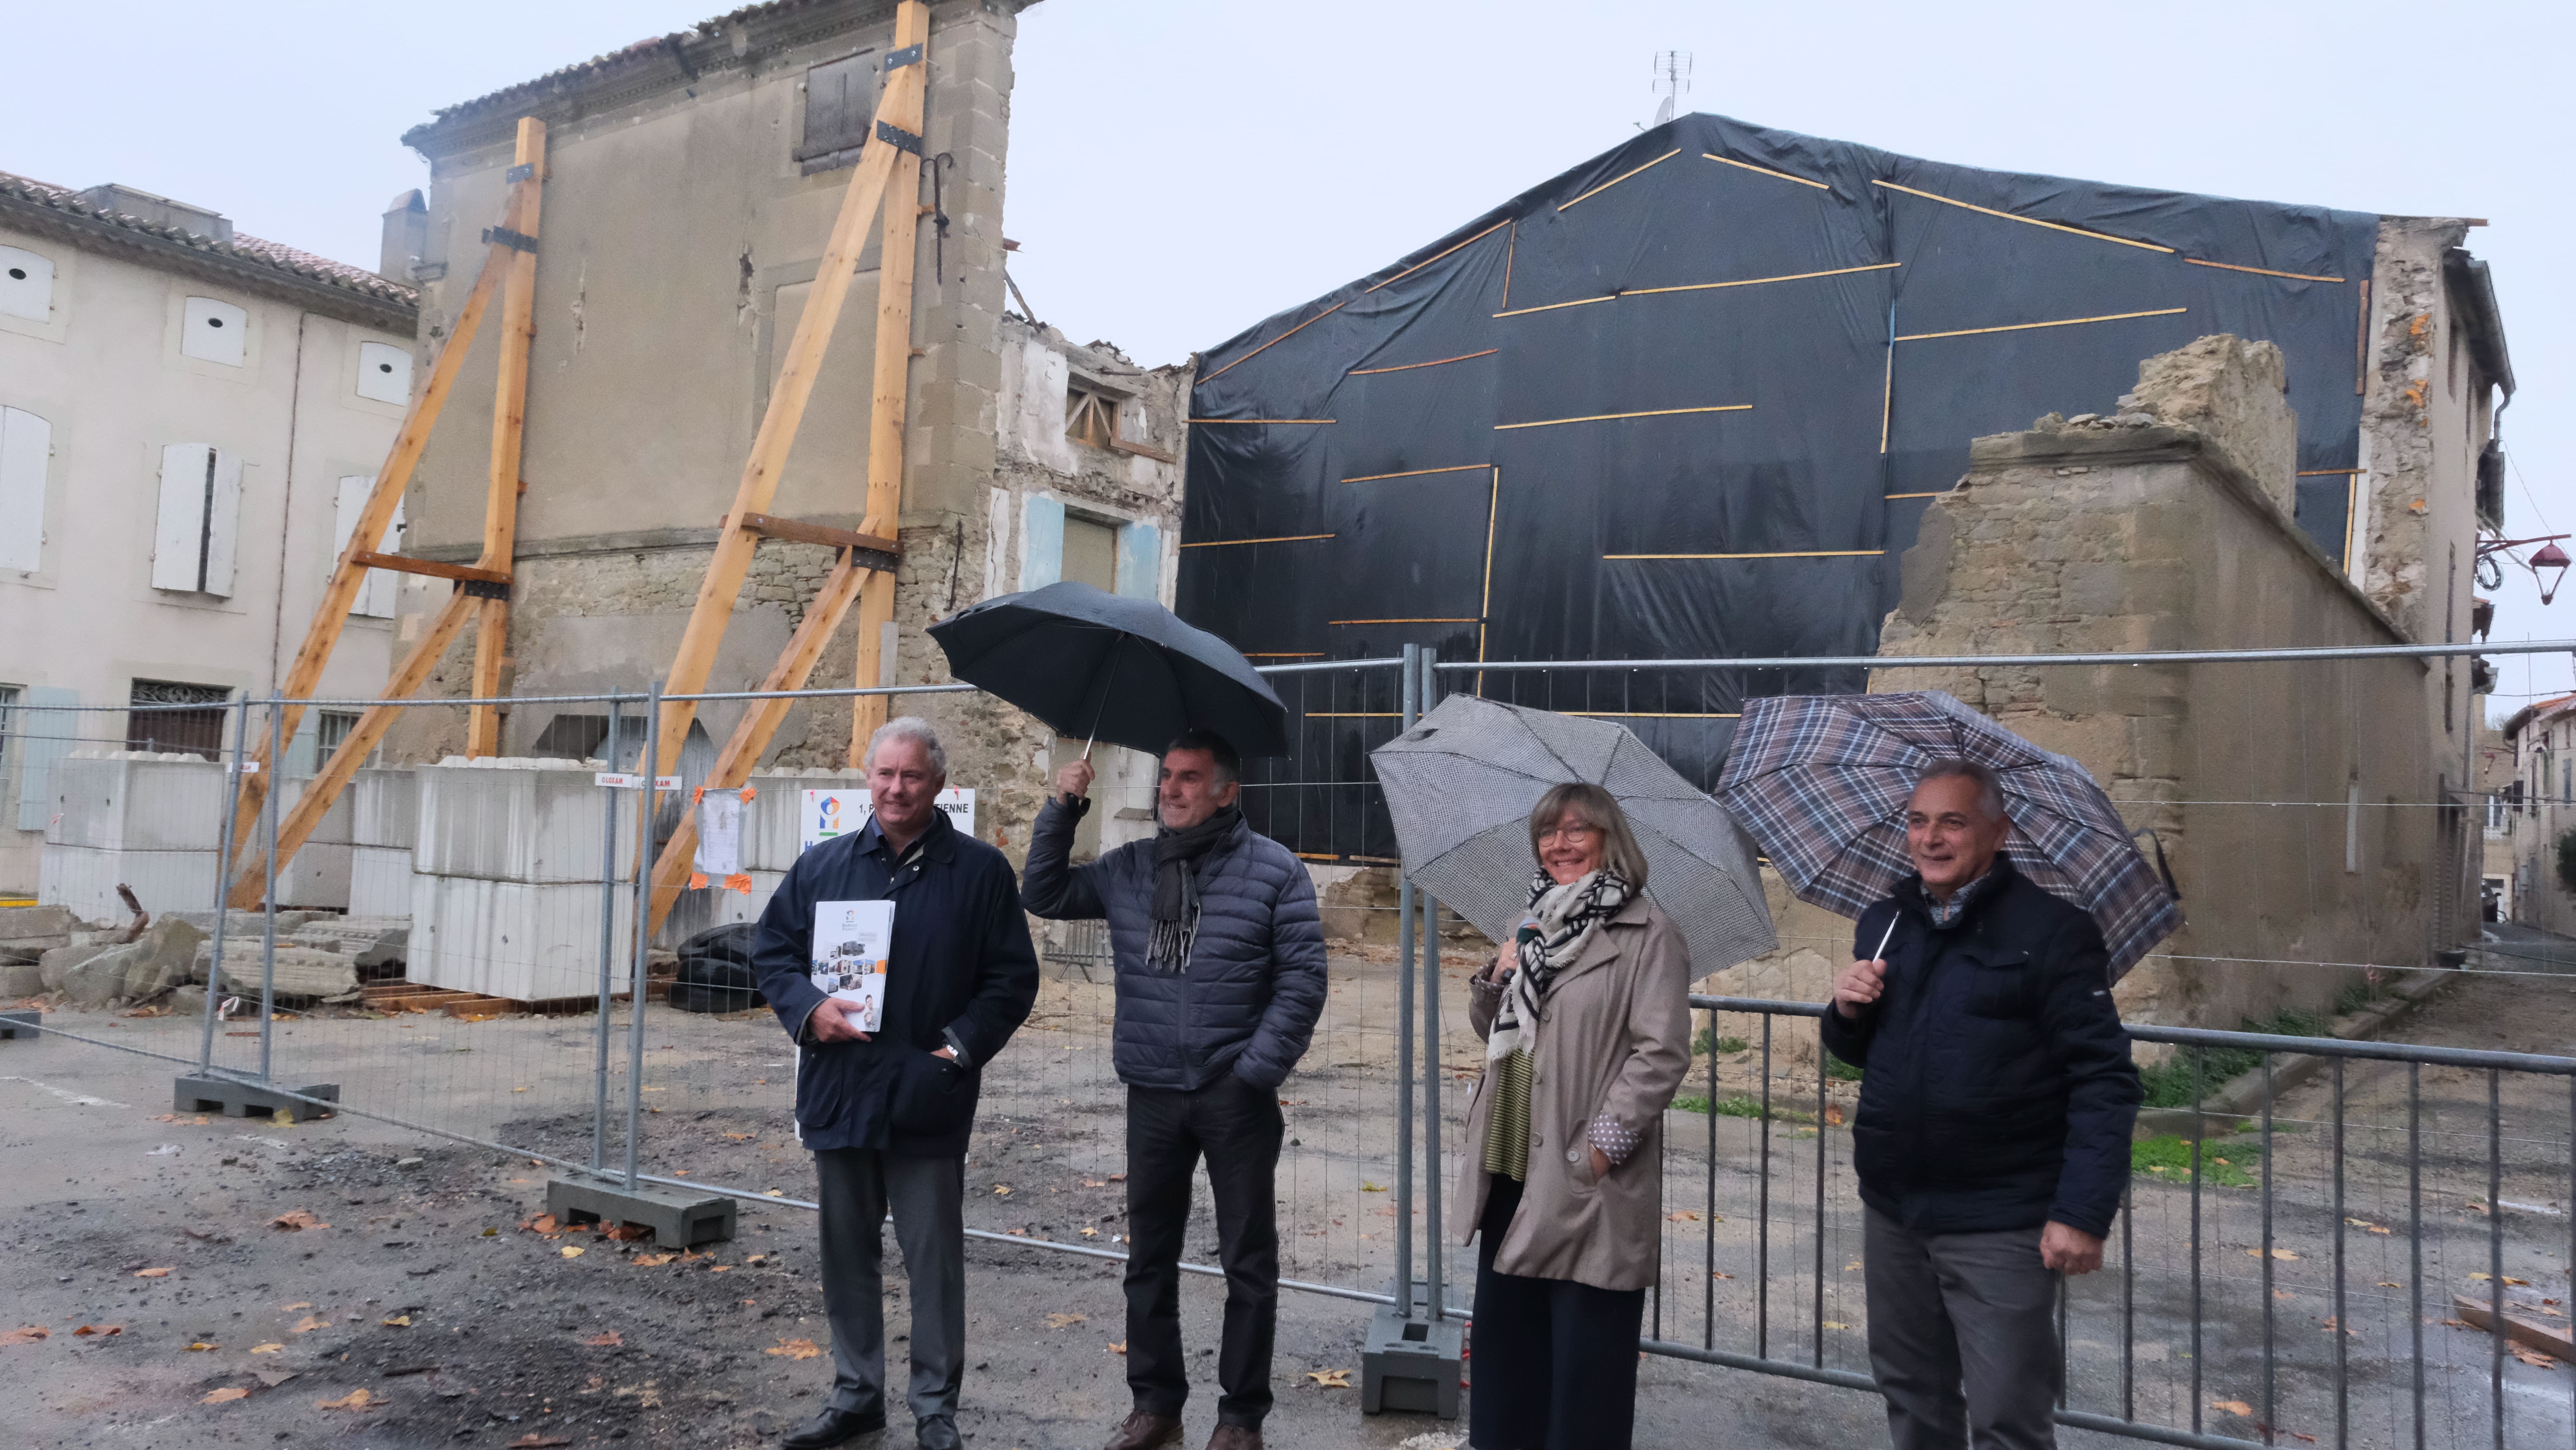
x: 406, y: 237
x: 161, y: 211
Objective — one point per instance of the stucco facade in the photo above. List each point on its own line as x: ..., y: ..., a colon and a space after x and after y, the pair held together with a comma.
x: 181, y: 412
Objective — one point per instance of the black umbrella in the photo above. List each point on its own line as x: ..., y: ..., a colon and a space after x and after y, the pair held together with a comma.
x: 1099, y: 666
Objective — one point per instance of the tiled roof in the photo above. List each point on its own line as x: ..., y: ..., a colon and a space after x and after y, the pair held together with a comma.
x: 20, y: 191
x: 662, y: 49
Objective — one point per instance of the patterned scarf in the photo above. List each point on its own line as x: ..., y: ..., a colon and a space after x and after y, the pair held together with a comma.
x: 1176, y: 887
x: 1566, y: 917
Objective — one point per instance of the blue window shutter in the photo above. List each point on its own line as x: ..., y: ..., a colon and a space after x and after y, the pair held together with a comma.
x: 45, y: 727
x: 1140, y: 561
x: 1041, y: 542
x: 303, y: 749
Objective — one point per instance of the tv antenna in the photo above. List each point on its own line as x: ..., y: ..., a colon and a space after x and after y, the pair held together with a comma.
x: 1672, y: 81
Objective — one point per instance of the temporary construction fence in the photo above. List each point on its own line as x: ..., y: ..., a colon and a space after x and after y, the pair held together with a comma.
x: 2294, y: 1263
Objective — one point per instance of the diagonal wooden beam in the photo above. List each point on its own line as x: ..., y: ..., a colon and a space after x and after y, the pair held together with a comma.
x: 509, y: 430
x: 795, y: 387
x: 362, y: 740
x: 331, y: 616
x: 898, y: 252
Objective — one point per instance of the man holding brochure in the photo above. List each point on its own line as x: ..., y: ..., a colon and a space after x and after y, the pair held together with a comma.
x: 898, y: 959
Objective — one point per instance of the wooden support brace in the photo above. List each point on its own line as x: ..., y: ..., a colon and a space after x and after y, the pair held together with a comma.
x: 899, y: 253
x: 794, y: 389
x: 509, y: 429
x: 874, y: 552
x: 433, y: 568
x: 353, y: 751
x: 304, y: 675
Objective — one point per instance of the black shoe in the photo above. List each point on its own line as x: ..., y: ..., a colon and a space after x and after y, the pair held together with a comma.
x: 833, y: 1427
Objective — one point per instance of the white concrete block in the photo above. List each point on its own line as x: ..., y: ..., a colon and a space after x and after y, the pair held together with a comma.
x: 137, y: 801
x: 517, y: 820
x: 733, y: 906
x: 380, y: 881
x: 333, y: 830
x: 83, y: 879
x: 385, y: 808
x: 529, y: 942
x: 317, y: 876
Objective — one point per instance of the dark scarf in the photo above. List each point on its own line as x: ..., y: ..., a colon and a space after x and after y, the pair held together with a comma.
x: 1176, y: 887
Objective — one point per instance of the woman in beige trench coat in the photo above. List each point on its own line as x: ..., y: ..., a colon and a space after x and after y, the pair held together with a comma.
x: 1586, y: 1018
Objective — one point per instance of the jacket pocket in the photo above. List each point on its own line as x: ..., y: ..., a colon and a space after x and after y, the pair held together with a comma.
x: 932, y: 1094
x: 2001, y: 984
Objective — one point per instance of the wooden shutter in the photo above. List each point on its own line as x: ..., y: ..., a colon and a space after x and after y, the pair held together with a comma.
x: 43, y: 722
x: 1140, y: 561
x: 26, y: 450
x: 376, y: 596
x: 223, y: 524
x: 1041, y: 541
x: 198, y: 534
x: 840, y: 107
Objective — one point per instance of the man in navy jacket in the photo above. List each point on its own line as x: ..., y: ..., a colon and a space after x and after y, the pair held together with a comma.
x: 1992, y: 1141
x: 887, y: 1114
x: 1220, y: 962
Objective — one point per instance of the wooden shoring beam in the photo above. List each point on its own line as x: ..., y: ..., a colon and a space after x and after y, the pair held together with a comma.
x: 403, y: 564
x: 352, y: 752
x: 331, y: 616
x: 787, y: 399
x: 899, y: 244
x: 509, y: 432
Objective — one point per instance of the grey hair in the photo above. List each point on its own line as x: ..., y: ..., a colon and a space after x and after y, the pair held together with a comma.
x: 1990, y: 787
x: 914, y: 729
x: 1598, y: 809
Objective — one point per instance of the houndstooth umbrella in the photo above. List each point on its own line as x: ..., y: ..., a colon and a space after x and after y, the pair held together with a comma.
x: 1822, y: 782
x: 1461, y: 786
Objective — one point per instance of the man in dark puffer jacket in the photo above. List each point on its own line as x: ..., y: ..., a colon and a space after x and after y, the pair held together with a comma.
x: 1220, y: 963
x: 1992, y: 1140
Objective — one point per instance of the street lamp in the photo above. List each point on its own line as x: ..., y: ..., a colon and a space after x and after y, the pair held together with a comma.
x: 2549, y: 568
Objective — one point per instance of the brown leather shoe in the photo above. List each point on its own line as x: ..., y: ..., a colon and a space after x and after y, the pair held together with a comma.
x: 1234, y: 1437
x: 1144, y: 1431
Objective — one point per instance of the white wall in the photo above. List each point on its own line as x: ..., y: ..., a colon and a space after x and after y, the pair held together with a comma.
x: 115, y: 372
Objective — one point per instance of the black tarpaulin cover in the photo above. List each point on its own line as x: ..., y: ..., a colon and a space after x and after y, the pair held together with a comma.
x: 1688, y: 400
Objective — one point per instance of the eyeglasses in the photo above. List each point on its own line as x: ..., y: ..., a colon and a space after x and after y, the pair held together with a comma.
x: 1574, y: 835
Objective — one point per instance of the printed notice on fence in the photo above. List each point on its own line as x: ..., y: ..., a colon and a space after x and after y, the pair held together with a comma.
x: 852, y: 940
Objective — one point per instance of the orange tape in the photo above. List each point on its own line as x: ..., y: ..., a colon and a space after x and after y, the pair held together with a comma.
x: 697, y: 881
x: 739, y: 881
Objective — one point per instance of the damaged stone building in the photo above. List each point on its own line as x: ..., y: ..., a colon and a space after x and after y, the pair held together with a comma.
x: 691, y: 185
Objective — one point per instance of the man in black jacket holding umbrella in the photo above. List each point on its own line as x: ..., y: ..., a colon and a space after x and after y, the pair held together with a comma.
x: 1992, y: 1141
x: 887, y: 1113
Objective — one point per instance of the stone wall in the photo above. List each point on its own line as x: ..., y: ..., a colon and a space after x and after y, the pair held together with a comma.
x: 2166, y: 527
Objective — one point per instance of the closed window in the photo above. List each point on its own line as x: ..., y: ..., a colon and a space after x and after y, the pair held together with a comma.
x: 215, y: 332
x: 840, y: 111
x: 376, y: 596
x: 26, y: 453
x: 26, y: 285
x: 384, y: 373
x: 1090, y: 553
x: 330, y: 728
x: 172, y: 715
x: 200, y: 522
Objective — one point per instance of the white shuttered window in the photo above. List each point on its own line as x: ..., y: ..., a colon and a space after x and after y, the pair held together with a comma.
x: 200, y: 523
x: 26, y: 449
x: 376, y: 596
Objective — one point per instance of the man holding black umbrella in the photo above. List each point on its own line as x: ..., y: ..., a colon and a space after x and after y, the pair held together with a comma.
x: 1220, y: 972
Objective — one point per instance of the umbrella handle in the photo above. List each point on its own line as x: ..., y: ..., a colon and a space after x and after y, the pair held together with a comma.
x: 1881, y: 954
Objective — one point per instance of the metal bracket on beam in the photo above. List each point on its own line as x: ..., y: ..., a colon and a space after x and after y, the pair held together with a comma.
x: 485, y: 588
x: 518, y: 241
x: 893, y: 135
x: 897, y: 60
x: 867, y: 551
x: 520, y: 172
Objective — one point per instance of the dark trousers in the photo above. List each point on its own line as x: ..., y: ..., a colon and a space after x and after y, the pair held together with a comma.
x: 1554, y: 1362
x: 927, y: 1196
x: 1963, y: 1337
x: 1237, y: 1127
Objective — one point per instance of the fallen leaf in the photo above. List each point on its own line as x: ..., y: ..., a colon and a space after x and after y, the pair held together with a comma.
x: 1330, y: 1379
x: 534, y: 1441
x: 543, y: 1223
x: 1836, y: 1324
x: 308, y: 1324
x: 291, y: 1308
x: 2390, y: 1284
x: 1118, y: 1346
x: 2296, y: 1435
x: 742, y: 1137
x: 296, y: 1221
x: 779, y: 1192
x: 1372, y: 1188
x: 2233, y: 1407
x: 1833, y: 1115
x: 1714, y: 1274
x: 267, y: 1348
x: 1091, y: 1233
x: 1064, y: 1321
x: 98, y: 1329
x: 223, y: 1396
x: 200, y: 1346
x: 630, y: 1232
x: 1002, y: 1190
x: 1095, y: 1183
x: 605, y: 1339
x: 720, y: 1268
x: 2510, y: 1279
x: 1117, y: 1177
x: 572, y: 1251
x: 160, y: 1273
x: 1684, y: 1215
x: 2276, y: 1253
x: 795, y: 1349
x: 2533, y: 1357
x: 1852, y: 1268
x: 28, y: 1335
x: 357, y: 1399
x: 399, y: 1321
x: 653, y: 1261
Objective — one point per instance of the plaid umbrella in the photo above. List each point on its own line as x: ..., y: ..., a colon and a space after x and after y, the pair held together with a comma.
x: 1822, y: 782
x: 1460, y: 787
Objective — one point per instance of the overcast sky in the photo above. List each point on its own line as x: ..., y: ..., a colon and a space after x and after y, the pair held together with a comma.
x: 1180, y: 170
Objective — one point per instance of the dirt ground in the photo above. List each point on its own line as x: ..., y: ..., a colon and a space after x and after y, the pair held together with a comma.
x: 428, y: 1312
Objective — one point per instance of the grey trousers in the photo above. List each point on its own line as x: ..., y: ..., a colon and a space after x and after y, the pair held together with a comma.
x: 927, y: 1196
x: 1950, y: 1310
